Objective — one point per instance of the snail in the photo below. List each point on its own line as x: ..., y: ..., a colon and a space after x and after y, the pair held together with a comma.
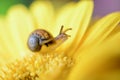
x: 41, y: 37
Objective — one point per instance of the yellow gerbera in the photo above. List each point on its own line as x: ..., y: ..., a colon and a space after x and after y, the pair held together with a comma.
x: 91, y: 53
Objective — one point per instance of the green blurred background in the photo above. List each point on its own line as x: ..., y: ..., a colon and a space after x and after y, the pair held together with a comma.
x: 6, y: 4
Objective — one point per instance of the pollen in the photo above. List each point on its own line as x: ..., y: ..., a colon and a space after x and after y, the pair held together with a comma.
x: 37, y: 67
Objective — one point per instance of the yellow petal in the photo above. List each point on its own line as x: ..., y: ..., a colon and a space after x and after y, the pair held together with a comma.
x: 116, y: 30
x: 63, y: 16
x: 79, y: 21
x: 2, y: 35
x: 91, y: 60
x: 100, y: 30
x: 43, y: 14
x: 6, y: 54
x: 19, y: 26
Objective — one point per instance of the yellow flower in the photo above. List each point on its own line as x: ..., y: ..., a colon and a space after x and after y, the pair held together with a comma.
x: 91, y: 53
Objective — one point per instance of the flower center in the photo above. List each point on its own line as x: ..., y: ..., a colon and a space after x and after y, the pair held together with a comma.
x: 38, y: 66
